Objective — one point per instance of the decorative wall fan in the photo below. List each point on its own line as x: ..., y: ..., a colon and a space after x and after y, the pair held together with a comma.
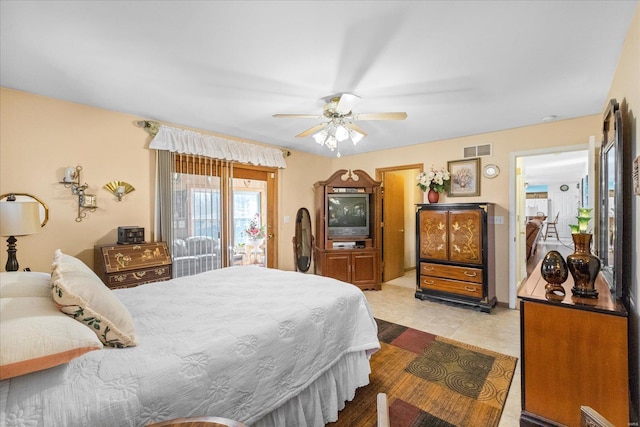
x: 340, y: 126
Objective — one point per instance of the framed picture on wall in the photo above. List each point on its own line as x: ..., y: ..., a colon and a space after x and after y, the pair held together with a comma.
x: 465, y: 177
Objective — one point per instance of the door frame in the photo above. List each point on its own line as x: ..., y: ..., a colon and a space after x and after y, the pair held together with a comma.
x: 514, y: 211
x: 380, y: 177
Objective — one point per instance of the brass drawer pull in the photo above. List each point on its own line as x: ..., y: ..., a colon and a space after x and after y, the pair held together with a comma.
x: 428, y: 268
x: 428, y: 282
x: 472, y: 274
x: 469, y: 288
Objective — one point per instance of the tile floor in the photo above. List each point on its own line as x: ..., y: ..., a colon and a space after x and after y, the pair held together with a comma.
x: 498, y: 331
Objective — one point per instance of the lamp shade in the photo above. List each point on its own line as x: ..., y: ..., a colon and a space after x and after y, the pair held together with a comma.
x: 19, y: 218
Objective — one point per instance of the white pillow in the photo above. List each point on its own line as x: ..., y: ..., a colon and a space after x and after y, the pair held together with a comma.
x: 81, y: 294
x: 35, y: 335
x: 24, y: 284
x: 64, y: 262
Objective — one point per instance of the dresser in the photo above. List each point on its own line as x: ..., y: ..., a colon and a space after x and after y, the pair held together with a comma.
x: 126, y: 266
x: 455, y: 254
x: 574, y: 353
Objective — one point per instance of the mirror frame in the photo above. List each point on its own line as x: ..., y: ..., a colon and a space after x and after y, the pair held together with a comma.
x: 612, y: 143
x: 303, y: 240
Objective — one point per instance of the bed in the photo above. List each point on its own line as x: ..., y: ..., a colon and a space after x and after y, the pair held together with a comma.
x: 261, y: 346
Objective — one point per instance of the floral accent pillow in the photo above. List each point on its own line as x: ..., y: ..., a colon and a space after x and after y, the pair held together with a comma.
x: 81, y: 294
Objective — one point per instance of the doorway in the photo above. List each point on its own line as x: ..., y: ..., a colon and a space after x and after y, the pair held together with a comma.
x: 399, y: 197
x: 223, y: 215
x: 562, y: 178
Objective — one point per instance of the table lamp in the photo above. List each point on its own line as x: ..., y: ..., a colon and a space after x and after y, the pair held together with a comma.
x: 17, y: 219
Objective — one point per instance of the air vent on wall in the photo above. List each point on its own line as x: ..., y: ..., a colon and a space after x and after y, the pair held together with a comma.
x: 477, y: 151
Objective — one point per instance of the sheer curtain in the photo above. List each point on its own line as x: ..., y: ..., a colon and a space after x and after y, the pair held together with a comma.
x: 194, y: 208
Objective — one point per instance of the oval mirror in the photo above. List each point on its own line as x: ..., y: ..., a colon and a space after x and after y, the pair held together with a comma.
x: 303, y: 240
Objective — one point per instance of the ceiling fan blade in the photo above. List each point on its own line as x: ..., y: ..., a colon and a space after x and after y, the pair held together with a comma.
x: 380, y: 116
x: 346, y: 103
x: 356, y: 128
x: 312, y: 130
x: 298, y: 116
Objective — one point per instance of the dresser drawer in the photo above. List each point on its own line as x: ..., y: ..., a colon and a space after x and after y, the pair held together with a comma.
x: 451, y: 286
x: 121, y: 258
x: 130, y: 279
x: 451, y: 272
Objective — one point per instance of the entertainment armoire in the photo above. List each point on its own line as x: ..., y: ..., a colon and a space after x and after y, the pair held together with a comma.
x: 355, y: 259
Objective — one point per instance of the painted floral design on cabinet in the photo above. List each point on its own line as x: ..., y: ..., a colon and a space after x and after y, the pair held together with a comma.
x: 465, y: 237
x: 434, y: 241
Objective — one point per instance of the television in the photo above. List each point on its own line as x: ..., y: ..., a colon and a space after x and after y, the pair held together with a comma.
x: 348, y: 215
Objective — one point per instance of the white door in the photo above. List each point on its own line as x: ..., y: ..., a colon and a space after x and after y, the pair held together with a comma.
x: 566, y: 203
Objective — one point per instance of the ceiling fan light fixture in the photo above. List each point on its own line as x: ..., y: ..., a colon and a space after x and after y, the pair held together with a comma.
x: 321, y: 136
x: 331, y: 142
x: 338, y: 110
x: 342, y: 133
x: 355, y: 136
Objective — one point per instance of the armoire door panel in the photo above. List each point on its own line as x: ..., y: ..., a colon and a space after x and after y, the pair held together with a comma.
x: 433, y: 235
x: 465, y: 238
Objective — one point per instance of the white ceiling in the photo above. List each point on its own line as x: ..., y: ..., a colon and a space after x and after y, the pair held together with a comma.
x: 456, y: 67
x: 556, y: 168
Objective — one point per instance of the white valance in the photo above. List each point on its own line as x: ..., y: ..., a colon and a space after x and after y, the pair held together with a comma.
x: 190, y: 142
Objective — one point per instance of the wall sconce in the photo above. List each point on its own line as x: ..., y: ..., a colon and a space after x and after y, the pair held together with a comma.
x: 86, y: 202
x: 119, y: 188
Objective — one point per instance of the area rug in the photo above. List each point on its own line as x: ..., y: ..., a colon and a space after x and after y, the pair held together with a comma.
x: 431, y: 381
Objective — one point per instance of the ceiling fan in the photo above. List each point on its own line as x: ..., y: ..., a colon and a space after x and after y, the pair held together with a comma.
x: 339, y: 127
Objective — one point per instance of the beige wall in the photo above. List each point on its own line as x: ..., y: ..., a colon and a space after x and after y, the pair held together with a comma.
x: 41, y: 136
x: 437, y: 153
x: 296, y: 191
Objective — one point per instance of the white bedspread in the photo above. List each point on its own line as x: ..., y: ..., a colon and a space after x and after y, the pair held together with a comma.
x: 236, y: 342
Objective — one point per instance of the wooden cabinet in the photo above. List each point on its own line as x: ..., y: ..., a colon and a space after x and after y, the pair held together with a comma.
x: 126, y: 266
x: 455, y: 254
x: 353, y: 258
x: 574, y: 353
x: 357, y: 267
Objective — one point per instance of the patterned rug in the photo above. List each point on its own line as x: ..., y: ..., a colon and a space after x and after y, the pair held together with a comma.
x: 431, y: 381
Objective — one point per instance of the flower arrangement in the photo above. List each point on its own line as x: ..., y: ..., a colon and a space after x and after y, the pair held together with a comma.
x: 436, y: 179
x: 255, y: 231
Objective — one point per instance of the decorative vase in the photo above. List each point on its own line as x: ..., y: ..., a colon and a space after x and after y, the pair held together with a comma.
x: 554, y: 270
x: 583, y: 266
x: 433, y: 196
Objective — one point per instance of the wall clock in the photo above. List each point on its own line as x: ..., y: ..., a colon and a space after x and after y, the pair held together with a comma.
x: 490, y: 171
x: 564, y: 187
